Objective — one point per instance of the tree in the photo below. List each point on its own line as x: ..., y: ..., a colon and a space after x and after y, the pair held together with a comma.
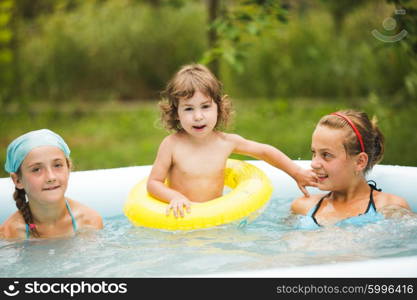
x: 7, y: 74
x: 213, y: 14
x: 340, y: 9
x: 232, y: 25
x: 405, y: 16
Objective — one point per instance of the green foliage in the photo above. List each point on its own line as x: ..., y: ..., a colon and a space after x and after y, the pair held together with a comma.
x: 405, y: 17
x: 305, y: 58
x: 112, y: 50
x: 340, y: 9
x: 115, y: 135
x: 236, y: 26
x: 6, y: 50
x: 128, y: 49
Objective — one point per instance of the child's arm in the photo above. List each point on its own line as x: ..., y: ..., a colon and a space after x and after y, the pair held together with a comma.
x: 156, y: 186
x: 276, y: 158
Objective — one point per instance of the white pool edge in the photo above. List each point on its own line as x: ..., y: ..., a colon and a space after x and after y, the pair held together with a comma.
x: 400, y: 267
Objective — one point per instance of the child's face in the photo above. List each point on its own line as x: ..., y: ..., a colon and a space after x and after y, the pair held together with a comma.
x: 198, y: 114
x: 334, y: 167
x: 44, y: 174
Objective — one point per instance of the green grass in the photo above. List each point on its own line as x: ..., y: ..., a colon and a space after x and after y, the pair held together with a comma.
x: 113, y: 134
x: 129, y: 50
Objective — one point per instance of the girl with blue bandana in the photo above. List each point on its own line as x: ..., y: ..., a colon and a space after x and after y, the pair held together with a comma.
x: 345, y: 146
x: 39, y: 165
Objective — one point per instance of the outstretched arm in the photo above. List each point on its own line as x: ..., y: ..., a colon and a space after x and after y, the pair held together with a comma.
x: 276, y: 158
x: 156, y: 181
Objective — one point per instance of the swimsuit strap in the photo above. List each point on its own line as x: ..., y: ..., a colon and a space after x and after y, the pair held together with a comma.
x: 371, y: 203
x: 373, y: 186
x: 74, y: 223
x: 27, y: 231
x: 317, y: 208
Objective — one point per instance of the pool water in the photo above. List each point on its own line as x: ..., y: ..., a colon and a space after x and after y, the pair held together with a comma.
x: 270, y: 241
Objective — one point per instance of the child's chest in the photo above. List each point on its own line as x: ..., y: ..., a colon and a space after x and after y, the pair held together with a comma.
x: 200, y: 160
x: 329, y: 214
x: 59, y: 229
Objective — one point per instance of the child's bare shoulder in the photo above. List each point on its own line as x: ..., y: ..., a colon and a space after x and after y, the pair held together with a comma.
x: 231, y: 137
x: 169, y: 142
x: 86, y: 216
x: 172, y: 138
x: 14, y: 226
x: 303, y: 204
x: 385, y: 199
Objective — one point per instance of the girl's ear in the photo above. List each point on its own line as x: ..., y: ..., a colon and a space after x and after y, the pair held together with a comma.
x: 361, y: 161
x: 16, y: 180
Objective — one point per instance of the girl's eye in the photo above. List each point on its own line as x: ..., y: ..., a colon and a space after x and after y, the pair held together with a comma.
x: 34, y: 170
x: 327, y: 155
x: 206, y: 106
x: 188, y: 109
x: 58, y: 165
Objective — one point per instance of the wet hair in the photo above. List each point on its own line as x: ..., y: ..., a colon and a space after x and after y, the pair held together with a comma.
x: 185, y: 83
x: 22, y: 204
x: 373, y: 139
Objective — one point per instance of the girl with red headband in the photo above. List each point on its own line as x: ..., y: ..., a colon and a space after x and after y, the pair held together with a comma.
x: 345, y: 146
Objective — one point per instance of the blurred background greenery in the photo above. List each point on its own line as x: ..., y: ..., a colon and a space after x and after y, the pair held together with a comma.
x: 93, y: 70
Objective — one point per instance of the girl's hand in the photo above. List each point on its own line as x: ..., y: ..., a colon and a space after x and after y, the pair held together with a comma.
x: 177, y: 205
x: 305, y: 178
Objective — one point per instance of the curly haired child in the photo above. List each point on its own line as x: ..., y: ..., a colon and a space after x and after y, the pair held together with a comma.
x: 193, y: 158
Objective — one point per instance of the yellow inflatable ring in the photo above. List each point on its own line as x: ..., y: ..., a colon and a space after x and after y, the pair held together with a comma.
x: 251, y: 190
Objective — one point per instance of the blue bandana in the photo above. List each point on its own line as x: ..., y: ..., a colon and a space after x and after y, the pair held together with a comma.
x: 21, y: 146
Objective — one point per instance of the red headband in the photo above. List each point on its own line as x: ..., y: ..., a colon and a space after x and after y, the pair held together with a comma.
x: 358, y: 134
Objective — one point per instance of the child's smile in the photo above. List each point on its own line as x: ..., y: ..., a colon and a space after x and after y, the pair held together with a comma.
x: 330, y: 161
x: 322, y: 177
x: 51, y: 188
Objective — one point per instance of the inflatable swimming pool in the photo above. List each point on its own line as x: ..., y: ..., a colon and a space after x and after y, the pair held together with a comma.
x: 107, y: 190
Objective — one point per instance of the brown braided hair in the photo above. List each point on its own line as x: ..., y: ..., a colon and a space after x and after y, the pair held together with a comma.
x: 22, y: 205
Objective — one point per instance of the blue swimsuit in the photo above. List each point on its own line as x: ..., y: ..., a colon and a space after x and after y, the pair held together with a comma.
x: 371, y: 215
x: 74, y: 223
